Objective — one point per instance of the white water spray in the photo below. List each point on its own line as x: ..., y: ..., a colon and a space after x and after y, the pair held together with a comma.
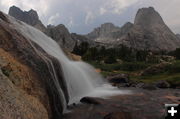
x: 81, y: 79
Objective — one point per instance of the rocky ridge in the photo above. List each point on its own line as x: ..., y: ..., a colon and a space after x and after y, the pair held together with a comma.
x: 149, y: 32
x: 59, y: 33
x: 30, y: 17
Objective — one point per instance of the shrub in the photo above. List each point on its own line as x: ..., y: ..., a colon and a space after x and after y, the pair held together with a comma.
x: 177, y: 53
x: 174, y: 81
x: 174, y: 68
x: 110, y: 60
x: 91, y: 54
x: 81, y: 49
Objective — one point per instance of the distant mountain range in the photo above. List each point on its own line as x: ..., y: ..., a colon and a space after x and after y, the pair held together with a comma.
x: 148, y: 32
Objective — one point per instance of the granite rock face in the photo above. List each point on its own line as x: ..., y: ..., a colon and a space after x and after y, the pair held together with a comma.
x: 104, y: 33
x: 61, y: 35
x: 27, y: 90
x: 30, y: 17
x: 149, y: 32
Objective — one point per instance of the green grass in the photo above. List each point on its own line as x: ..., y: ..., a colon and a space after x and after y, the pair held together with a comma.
x: 126, y: 66
x: 171, y: 74
x: 107, y: 73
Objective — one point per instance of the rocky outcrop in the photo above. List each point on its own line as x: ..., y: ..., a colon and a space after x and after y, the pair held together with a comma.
x: 30, y: 17
x: 61, y: 35
x: 105, y: 34
x: 103, y: 31
x: 120, y: 78
x: 21, y: 92
x: 149, y: 32
x: 27, y: 89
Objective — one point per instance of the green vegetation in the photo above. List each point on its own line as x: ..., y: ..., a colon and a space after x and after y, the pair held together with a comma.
x: 110, y: 55
x: 176, y: 53
x: 174, y: 67
x: 130, y: 61
x: 126, y: 66
x: 81, y: 49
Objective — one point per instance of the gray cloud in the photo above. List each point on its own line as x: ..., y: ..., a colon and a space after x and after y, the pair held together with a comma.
x: 81, y: 16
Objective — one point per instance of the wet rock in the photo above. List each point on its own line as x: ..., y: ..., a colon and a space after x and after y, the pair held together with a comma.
x: 123, y: 85
x: 90, y: 100
x: 118, y: 115
x: 142, y: 104
x: 149, y: 87
x: 32, y: 74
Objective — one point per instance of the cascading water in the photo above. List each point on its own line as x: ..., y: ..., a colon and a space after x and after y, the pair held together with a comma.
x: 81, y: 79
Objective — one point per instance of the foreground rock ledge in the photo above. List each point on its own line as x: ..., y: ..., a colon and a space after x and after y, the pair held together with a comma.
x: 143, y: 104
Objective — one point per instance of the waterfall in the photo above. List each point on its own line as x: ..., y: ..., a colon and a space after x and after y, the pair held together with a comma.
x: 80, y: 78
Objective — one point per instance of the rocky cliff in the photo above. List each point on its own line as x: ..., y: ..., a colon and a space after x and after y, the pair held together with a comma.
x: 27, y: 90
x: 30, y: 17
x: 61, y: 35
x: 149, y: 32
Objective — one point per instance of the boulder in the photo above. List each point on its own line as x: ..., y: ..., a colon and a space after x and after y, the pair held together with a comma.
x: 120, y: 78
x: 91, y: 100
x: 146, y: 86
x: 162, y: 84
x: 149, y: 87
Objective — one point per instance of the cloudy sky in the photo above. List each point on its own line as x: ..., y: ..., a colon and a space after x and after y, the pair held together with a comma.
x: 82, y: 16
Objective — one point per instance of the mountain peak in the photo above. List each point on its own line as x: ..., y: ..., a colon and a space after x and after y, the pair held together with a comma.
x: 30, y: 17
x: 148, y: 16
